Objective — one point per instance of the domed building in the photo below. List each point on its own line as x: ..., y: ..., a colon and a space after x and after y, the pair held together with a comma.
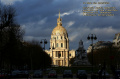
x: 59, y: 46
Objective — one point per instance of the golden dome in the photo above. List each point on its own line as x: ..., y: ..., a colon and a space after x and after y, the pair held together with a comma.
x: 59, y: 29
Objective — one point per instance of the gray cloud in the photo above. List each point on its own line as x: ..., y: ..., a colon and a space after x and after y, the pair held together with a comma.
x: 39, y: 17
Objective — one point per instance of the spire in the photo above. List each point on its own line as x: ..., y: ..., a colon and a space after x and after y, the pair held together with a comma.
x: 59, y: 20
x: 59, y: 13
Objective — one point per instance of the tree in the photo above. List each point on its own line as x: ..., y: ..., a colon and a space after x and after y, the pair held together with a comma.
x: 10, y: 37
x: 13, y: 51
x: 108, y: 55
x: 33, y: 55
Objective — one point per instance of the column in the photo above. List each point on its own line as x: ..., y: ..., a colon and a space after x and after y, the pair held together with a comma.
x: 66, y: 54
x: 64, y: 43
x: 61, y: 53
x: 66, y: 62
x: 54, y: 62
x: 64, y: 57
x: 53, y: 53
x: 60, y: 62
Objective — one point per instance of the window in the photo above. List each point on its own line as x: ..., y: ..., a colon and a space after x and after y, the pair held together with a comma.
x: 56, y: 54
x: 59, y: 54
x: 58, y: 62
x: 70, y: 54
x: 57, y: 37
x: 61, y: 37
x: 62, y: 53
x: 57, y: 44
x: 61, y: 44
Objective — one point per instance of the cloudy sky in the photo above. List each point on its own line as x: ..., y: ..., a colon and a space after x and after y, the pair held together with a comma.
x: 39, y: 17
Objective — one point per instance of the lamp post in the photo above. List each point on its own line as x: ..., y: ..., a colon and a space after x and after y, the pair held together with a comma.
x: 92, y: 37
x: 1, y: 53
x: 45, y: 42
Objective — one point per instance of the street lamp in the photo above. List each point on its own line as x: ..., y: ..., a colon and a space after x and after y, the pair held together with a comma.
x: 92, y: 37
x: 45, y: 42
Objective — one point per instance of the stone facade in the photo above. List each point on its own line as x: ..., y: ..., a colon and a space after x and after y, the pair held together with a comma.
x: 59, y: 46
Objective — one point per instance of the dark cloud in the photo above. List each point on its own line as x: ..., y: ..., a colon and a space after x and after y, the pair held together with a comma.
x: 39, y: 17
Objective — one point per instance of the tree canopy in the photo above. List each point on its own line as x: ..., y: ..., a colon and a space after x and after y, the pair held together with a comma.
x: 14, y: 52
x: 108, y: 55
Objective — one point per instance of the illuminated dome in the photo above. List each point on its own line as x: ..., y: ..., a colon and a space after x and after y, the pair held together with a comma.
x: 59, y: 29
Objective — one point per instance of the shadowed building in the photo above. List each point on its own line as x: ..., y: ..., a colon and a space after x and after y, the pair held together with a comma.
x: 81, y: 55
x: 59, y: 46
x: 99, y: 45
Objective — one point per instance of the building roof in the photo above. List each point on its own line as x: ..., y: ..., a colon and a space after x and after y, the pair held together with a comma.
x: 59, y: 29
